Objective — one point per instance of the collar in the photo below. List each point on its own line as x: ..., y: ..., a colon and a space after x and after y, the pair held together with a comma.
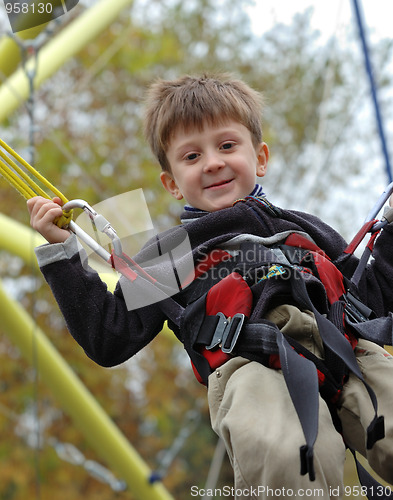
x: 191, y: 213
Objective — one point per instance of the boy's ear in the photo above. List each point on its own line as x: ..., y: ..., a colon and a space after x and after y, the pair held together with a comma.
x: 170, y: 185
x: 262, y: 159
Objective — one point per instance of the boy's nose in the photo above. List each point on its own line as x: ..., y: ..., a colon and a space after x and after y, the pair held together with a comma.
x: 213, y: 162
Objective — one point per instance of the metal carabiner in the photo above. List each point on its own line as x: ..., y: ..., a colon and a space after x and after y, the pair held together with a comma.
x: 102, y: 224
x: 377, y: 207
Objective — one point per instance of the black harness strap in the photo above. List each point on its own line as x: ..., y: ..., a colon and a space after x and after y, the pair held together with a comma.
x: 378, y: 330
x: 301, y: 377
x: 337, y: 343
x: 374, y: 489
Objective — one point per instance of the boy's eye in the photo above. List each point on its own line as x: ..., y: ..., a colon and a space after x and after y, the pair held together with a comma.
x: 191, y: 156
x: 227, y: 145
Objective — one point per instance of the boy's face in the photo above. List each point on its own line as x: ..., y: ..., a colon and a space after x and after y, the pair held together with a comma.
x: 213, y: 167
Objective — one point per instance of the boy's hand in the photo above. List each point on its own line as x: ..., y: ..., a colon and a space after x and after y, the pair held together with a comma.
x: 43, y: 213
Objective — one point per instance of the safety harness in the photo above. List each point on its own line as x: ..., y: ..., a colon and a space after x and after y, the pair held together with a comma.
x: 217, y: 326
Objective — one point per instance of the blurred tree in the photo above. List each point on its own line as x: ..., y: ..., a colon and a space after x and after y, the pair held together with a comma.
x: 89, y: 143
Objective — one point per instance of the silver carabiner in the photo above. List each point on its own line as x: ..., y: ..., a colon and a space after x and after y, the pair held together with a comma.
x: 377, y: 207
x: 102, y: 224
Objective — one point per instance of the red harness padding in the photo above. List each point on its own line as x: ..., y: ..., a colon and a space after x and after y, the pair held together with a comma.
x: 330, y: 276
x: 229, y: 296
x: 232, y: 294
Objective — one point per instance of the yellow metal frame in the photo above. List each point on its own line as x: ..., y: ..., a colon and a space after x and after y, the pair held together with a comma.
x: 10, y: 55
x: 55, y: 53
x: 77, y: 401
x: 74, y: 397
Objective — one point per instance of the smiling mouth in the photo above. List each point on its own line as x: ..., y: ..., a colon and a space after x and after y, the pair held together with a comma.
x: 219, y: 184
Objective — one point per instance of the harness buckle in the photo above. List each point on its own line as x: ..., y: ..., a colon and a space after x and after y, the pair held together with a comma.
x: 227, y: 332
x: 355, y: 310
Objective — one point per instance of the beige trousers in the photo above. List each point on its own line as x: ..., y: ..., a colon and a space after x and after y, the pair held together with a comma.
x: 252, y: 412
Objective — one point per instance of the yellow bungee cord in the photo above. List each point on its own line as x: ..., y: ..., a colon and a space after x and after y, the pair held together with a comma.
x: 24, y: 184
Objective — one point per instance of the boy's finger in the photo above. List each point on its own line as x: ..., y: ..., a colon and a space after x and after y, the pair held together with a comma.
x: 33, y: 204
x: 48, y: 210
x: 40, y: 207
x: 58, y: 200
x: 43, y: 222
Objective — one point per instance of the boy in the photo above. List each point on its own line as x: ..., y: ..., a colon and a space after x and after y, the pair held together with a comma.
x: 206, y: 134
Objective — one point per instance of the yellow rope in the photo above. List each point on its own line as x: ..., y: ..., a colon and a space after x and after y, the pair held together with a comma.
x: 23, y: 183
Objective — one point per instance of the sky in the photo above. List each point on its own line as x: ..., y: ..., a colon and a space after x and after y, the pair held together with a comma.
x: 327, y: 16
x: 334, y: 18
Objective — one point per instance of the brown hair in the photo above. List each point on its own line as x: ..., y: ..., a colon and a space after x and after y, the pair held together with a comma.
x: 190, y: 102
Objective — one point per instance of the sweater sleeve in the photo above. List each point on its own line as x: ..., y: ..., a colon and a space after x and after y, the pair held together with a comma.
x: 98, y: 320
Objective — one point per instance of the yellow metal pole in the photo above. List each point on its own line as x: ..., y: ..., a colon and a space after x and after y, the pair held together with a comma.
x: 10, y: 56
x: 18, y: 239
x: 78, y: 402
x: 66, y: 44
